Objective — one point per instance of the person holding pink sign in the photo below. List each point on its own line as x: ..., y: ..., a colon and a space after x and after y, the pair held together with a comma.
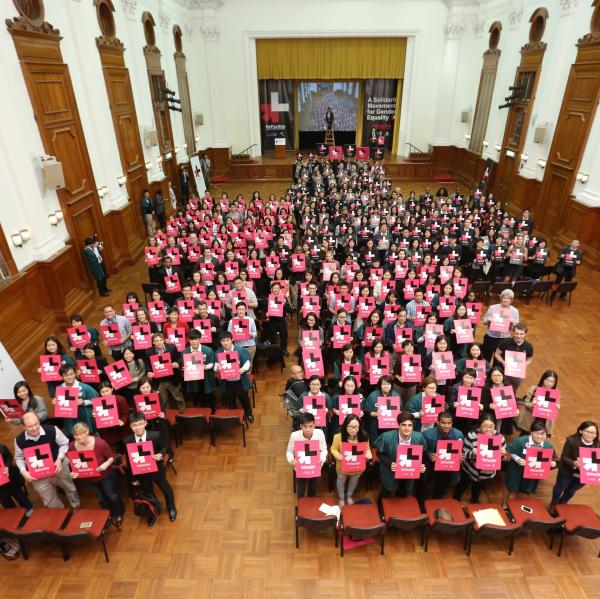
x: 370, y: 410
x: 387, y: 449
x: 548, y: 380
x: 518, y: 344
x: 499, y: 329
x: 515, y: 474
x: 28, y: 402
x: 53, y: 347
x: 351, y: 433
x: 471, y: 475
x: 85, y: 394
x: 104, y: 485
x: 569, y: 478
x: 307, y: 432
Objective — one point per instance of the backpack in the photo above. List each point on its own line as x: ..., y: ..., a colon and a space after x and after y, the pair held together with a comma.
x: 145, y: 505
x: 10, y: 548
x: 291, y: 402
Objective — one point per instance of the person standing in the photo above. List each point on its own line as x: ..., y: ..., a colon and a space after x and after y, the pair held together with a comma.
x: 159, y: 208
x: 517, y: 344
x: 184, y: 183
x: 569, y: 258
x: 147, y: 211
x: 492, y: 338
x: 166, y: 384
x: 39, y: 434
x: 307, y: 432
x: 95, y: 263
x: 138, y: 424
x: 125, y: 330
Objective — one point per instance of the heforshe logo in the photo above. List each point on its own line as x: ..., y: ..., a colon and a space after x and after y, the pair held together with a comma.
x: 270, y: 112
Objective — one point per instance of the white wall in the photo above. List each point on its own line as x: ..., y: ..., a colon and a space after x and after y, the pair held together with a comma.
x: 240, y: 21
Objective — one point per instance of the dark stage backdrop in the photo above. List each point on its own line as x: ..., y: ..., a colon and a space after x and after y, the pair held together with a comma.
x: 276, y: 111
x: 379, y: 111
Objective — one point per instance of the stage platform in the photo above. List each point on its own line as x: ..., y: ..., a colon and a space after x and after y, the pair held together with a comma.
x: 271, y: 168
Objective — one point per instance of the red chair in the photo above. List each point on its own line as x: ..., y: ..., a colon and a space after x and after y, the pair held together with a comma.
x: 10, y: 521
x: 225, y: 419
x: 360, y: 521
x: 84, y: 525
x: 458, y: 524
x: 193, y: 420
x: 42, y: 523
x: 492, y: 531
x: 537, y: 519
x: 309, y: 515
x: 404, y: 513
x: 253, y: 388
x: 580, y: 520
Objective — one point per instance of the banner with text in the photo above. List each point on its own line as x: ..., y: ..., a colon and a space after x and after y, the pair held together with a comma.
x: 379, y: 112
x: 276, y: 112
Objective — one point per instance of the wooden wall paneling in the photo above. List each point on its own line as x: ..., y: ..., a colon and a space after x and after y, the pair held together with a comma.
x: 574, y: 123
x: 6, y: 253
x: 126, y: 128
x: 219, y: 158
x: 160, y: 107
x: 184, y: 91
x: 55, y: 110
x: 519, y: 114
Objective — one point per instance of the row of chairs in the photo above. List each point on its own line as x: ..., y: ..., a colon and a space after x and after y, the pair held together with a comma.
x: 525, y: 289
x: 60, y: 525
x: 197, y: 421
x: 447, y: 516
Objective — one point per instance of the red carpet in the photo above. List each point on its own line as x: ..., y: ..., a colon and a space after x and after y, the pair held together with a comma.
x: 443, y: 178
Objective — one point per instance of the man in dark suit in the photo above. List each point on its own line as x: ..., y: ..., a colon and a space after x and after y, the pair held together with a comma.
x: 95, y: 263
x: 166, y: 384
x: 137, y: 422
x: 168, y: 270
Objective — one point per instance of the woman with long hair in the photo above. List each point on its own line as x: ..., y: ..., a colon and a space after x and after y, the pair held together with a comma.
x: 548, y: 380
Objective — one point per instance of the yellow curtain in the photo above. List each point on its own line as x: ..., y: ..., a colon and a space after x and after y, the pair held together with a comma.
x: 331, y: 58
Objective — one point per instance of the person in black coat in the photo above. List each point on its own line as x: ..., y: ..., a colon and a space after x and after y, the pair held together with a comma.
x: 95, y: 263
x: 137, y: 422
x: 167, y: 385
x: 166, y: 270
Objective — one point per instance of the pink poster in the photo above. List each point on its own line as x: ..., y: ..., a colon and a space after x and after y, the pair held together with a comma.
x: 546, y: 403
x: 348, y: 404
x: 410, y: 368
x: 229, y: 365
x: 140, y: 457
x: 446, y: 306
x: 489, y: 452
x: 354, y: 457
x: 505, y: 402
x: 307, y: 455
x: 204, y: 327
x: 515, y: 364
x: 377, y: 367
x: 176, y: 336
x: 463, y: 329
x: 313, y: 363
x: 431, y: 332
x: 500, y: 320
x: 388, y: 408
x: 79, y: 336
x: 111, y: 334
x: 316, y: 405
x: 105, y: 411
x: 142, y: 336
x: 118, y: 374
x: 538, y: 463
x: 65, y: 405
x: 589, y: 470
x: 38, y: 461
x: 479, y: 366
x: 83, y: 463
x: 342, y: 334
x: 443, y: 365
x: 447, y: 455
x: 193, y: 366
x: 468, y: 402
x: 50, y: 368
x: 409, y: 459
x: 148, y: 404
x: 162, y: 365
x: 351, y: 370
x: 432, y: 406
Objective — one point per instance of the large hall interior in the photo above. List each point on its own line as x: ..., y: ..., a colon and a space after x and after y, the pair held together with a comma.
x: 299, y: 299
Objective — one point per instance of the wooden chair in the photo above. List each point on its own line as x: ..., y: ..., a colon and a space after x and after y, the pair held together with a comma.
x: 193, y: 421
x: 83, y: 526
x: 492, y: 531
x: 539, y: 520
x: 497, y: 288
x: 309, y: 516
x: 580, y: 520
x: 404, y: 513
x: 148, y: 289
x: 40, y: 526
x: 224, y: 419
x: 459, y: 524
x: 562, y: 289
x: 361, y: 520
x: 522, y: 288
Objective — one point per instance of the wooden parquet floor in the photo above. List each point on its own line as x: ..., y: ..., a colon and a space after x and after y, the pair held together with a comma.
x: 234, y: 536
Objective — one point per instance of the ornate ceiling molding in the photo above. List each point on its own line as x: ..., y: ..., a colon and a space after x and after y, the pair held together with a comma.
x: 210, y: 33
x: 515, y: 16
x: 454, y: 30
x: 478, y: 27
x: 23, y: 24
x: 129, y: 7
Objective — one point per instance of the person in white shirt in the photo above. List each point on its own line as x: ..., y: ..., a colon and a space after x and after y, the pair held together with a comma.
x: 307, y: 432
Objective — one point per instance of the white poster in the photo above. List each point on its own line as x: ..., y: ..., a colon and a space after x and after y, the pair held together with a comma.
x: 9, y: 373
x: 198, y: 175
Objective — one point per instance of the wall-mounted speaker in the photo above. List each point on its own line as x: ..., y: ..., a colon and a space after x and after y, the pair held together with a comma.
x: 150, y: 138
x: 53, y: 174
x: 539, y: 135
x: 198, y: 119
x: 465, y: 116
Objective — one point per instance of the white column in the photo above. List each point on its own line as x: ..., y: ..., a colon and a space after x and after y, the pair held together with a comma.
x: 212, y: 54
x: 588, y: 193
x: 447, y: 84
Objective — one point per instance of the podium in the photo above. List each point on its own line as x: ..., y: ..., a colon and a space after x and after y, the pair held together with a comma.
x: 280, y: 145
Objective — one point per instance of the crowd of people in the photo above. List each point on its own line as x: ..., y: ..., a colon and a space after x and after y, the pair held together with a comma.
x: 380, y: 285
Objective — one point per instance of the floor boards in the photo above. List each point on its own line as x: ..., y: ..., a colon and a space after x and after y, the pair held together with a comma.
x: 234, y: 536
